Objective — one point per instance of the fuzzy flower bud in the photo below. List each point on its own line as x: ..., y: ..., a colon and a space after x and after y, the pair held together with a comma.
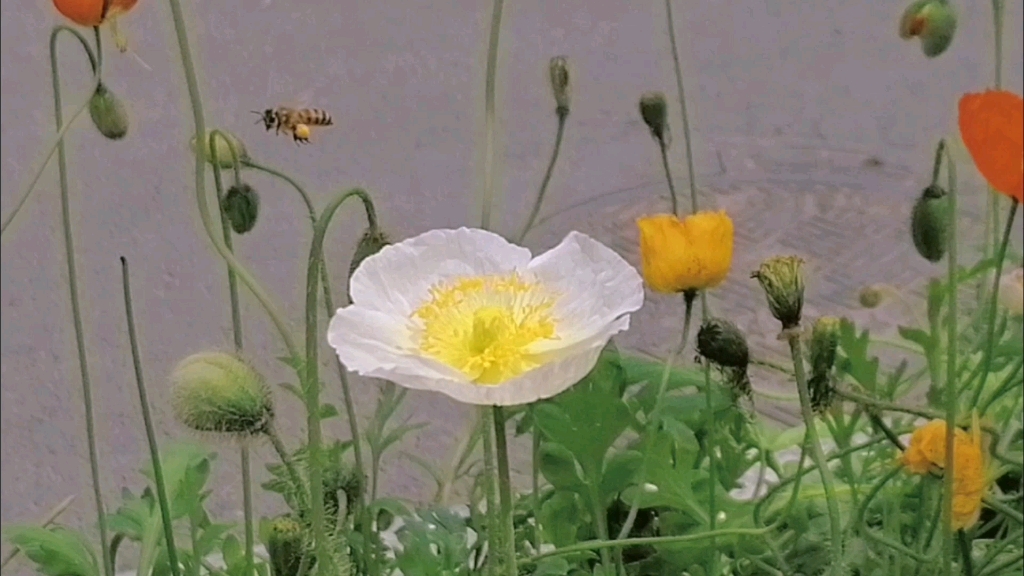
x: 1011, y: 292
x: 871, y: 296
x: 824, y: 343
x: 217, y: 392
x: 722, y: 342
x: 654, y: 111
x: 559, y: 71
x: 222, y: 148
x: 241, y: 205
x: 929, y: 223
x: 285, y: 546
x: 108, y: 113
x: 373, y: 240
x: 933, y: 21
x: 782, y: 279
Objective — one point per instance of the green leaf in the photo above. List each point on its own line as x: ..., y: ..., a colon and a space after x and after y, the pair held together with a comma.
x: 586, y: 422
x: 854, y: 359
x: 551, y: 567
x: 56, y: 551
x: 917, y: 336
x: 620, y: 472
x: 328, y: 410
x: 561, y: 517
x: 559, y: 467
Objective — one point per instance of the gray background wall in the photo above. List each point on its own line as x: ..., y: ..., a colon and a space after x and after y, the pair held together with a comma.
x: 788, y: 98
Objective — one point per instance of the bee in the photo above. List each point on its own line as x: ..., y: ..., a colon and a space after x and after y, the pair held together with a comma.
x: 294, y: 121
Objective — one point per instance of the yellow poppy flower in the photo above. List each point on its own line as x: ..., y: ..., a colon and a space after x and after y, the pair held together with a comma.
x: 694, y: 253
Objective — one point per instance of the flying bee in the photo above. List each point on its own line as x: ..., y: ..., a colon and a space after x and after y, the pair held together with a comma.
x: 294, y: 121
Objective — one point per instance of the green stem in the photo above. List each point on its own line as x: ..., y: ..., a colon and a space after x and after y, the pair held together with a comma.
x: 311, y: 378
x: 200, y: 181
x: 650, y: 541
x: 505, y: 495
x: 1009, y: 383
x: 236, y: 315
x: 250, y: 540
x: 1004, y: 509
x: 687, y: 140
x: 817, y: 454
x: 76, y: 309
x: 965, y: 552
x: 147, y: 420
x: 870, y: 534
x: 489, y: 131
x: 289, y: 466
x: 986, y: 359
x: 997, y: 38
x: 249, y: 163
x: 535, y: 481
x: 663, y: 146
x: 486, y: 424
x: 563, y: 113
x: 951, y: 369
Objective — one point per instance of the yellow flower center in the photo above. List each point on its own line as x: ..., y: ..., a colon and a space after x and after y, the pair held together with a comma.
x: 486, y: 326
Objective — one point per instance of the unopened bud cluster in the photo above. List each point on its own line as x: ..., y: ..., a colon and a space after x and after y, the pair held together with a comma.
x: 782, y: 280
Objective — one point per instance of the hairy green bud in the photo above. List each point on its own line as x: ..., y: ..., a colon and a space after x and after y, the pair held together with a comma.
x: 372, y: 241
x: 654, y: 111
x: 782, y: 280
x: 241, y: 206
x: 217, y: 392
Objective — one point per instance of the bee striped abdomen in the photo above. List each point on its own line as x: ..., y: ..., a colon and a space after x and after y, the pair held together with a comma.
x: 314, y: 117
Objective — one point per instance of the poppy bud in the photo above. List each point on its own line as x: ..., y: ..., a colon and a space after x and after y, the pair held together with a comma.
x: 559, y: 70
x: 654, y: 111
x: 782, y: 279
x: 285, y: 546
x: 222, y: 148
x: 871, y: 296
x: 108, y: 113
x: 722, y: 342
x: 931, y: 20
x: 217, y: 392
x: 929, y: 223
x: 373, y: 240
x: 241, y: 205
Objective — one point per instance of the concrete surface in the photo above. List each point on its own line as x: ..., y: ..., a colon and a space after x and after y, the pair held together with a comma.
x: 814, y: 127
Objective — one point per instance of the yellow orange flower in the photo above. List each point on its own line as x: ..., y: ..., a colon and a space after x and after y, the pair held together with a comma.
x: 992, y: 128
x: 694, y: 253
x: 92, y: 12
x: 927, y: 453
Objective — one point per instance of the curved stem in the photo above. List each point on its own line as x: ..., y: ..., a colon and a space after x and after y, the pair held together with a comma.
x: 1008, y: 384
x: 649, y: 541
x: 682, y: 105
x: 236, y: 314
x: 990, y: 329
x: 948, y: 545
x: 249, y: 163
x: 562, y: 115
x: 76, y: 309
x: 505, y: 495
x: 863, y: 528
x: 817, y: 454
x: 489, y: 95
x: 147, y: 420
x: 311, y: 377
x: 200, y: 181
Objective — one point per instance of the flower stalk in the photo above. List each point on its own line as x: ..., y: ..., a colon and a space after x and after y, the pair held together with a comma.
x: 951, y: 397
x: 490, y: 86
x: 508, y: 540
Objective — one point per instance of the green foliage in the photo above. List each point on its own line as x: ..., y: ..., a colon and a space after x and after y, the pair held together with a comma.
x: 56, y: 551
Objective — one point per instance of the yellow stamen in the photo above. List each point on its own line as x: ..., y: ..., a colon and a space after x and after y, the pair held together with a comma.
x: 486, y: 326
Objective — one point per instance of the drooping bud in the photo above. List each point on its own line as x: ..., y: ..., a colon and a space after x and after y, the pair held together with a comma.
x: 1011, y: 292
x: 824, y: 343
x: 722, y: 342
x: 218, y: 392
x: 108, y: 113
x: 782, y: 279
x: 559, y: 70
x: 285, y: 546
x: 929, y: 223
x: 871, y: 296
x: 222, y: 148
x: 933, y: 21
x: 373, y: 240
x: 654, y: 111
x: 241, y: 205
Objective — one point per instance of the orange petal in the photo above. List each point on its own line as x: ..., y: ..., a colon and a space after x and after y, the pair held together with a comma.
x: 992, y: 128
x: 82, y: 12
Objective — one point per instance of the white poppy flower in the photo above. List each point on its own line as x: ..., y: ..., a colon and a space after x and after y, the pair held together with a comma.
x: 466, y: 313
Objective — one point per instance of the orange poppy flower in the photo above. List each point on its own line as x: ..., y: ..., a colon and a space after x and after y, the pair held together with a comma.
x: 992, y: 128
x: 92, y: 12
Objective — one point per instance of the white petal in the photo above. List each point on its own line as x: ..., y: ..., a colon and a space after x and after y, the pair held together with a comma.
x: 397, y: 279
x: 597, y: 286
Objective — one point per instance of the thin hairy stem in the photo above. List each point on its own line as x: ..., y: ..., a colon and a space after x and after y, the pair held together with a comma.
x: 535, y: 211
x: 505, y: 495
x: 147, y: 420
x: 687, y: 140
x: 817, y: 454
x: 236, y: 314
x: 663, y: 147
x: 948, y: 545
x: 993, y: 305
x: 249, y: 163
x: 489, y: 190
x: 250, y: 539
x: 486, y: 423
x: 76, y: 308
x: 289, y: 465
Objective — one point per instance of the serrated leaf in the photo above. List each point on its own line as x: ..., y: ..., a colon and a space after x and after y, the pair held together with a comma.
x: 56, y: 551
x: 620, y: 471
x: 328, y: 410
x: 917, y: 336
x: 559, y: 467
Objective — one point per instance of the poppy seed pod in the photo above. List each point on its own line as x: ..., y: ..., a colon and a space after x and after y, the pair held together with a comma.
x: 285, y: 546
x: 929, y: 223
x: 782, y: 280
x: 654, y: 111
x: 108, y: 113
x: 241, y: 205
x: 222, y: 149
x: 372, y: 241
x: 933, y: 21
x: 217, y: 392
x: 558, y: 68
